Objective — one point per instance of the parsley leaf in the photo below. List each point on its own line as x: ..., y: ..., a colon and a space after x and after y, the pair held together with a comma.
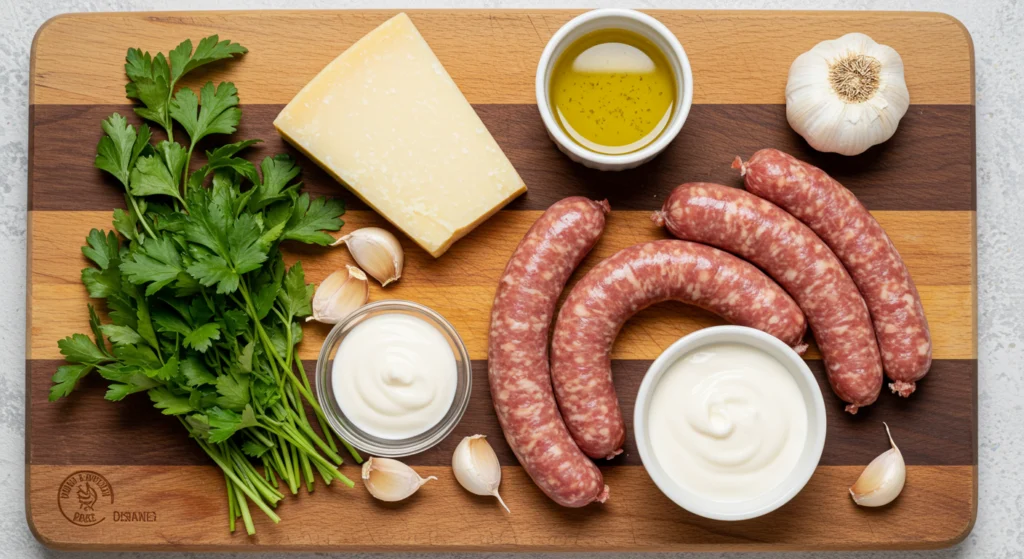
x: 121, y: 335
x: 203, y: 337
x: 151, y: 84
x: 254, y: 449
x: 144, y: 326
x: 139, y: 356
x: 224, y: 423
x: 223, y: 157
x: 245, y: 359
x: 137, y: 382
x: 157, y: 263
x: 234, y: 392
x: 214, y: 270
x: 120, y: 146
x: 78, y: 348
x: 104, y: 250
x: 169, y: 322
x: 248, y: 250
x: 169, y: 403
x: 309, y: 220
x: 97, y: 330
x: 277, y: 171
x: 166, y: 372
x: 195, y: 373
x: 215, y: 111
x: 66, y: 378
x: 155, y: 175
x: 152, y: 78
x: 210, y: 49
x: 127, y: 224
x: 296, y: 296
x: 122, y: 309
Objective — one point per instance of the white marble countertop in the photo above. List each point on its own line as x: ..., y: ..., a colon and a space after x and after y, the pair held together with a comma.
x: 999, y: 45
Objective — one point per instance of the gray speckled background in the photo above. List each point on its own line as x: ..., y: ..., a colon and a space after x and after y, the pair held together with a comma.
x: 999, y: 45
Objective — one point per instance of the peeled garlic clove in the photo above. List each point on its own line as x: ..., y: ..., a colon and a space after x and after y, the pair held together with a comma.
x: 377, y: 251
x: 339, y: 295
x: 476, y: 467
x: 390, y: 480
x: 883, y: 479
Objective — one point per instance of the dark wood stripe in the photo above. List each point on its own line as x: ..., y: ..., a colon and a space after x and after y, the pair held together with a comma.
x: 64, y: 139
x: 934, y: 427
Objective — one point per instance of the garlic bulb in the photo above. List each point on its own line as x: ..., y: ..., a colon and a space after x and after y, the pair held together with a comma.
x: 341, y: 293
x: 847, y: 94
x: 390, y: 480
x: 883, y: 479
x: 377, y: 251
x: 477, y: 468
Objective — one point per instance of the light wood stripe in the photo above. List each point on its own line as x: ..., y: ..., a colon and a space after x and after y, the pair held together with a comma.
x: 59, y: 310
x: 737, y: 57
x: 191, y: 514
x: 936, y: 245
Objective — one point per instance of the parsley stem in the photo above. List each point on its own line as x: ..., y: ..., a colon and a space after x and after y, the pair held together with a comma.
x: 323, y: 424
x: 231, y: 503
x: 269, y: 347
x: 246, y: 515
x: 184, y: 178
x: 288, y: 433
x: 142, y: 217
x: 281, y: 455
x: 261, y: 438
x: 229, y: 471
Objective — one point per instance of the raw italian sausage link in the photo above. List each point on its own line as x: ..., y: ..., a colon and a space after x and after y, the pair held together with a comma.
x: 761, y: 232
x: 517, y: 352
x: 623, y: 284
x: 846, y: 226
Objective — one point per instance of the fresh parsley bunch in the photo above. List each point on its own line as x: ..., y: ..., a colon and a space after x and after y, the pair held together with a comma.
x: 204, y: 314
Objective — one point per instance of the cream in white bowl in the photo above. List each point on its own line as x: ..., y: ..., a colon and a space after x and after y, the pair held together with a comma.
x: 730, y: 423
x: 650, y: 29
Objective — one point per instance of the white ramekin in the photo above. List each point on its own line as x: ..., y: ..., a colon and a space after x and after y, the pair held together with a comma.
x: 636, y: 22
x: 809, y: 457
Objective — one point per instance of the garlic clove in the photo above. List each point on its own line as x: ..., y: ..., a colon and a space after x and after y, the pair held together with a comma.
x: 377, y: 251
x: 477, y: 468
x: 339, y: 295
x: 883, y: 479
x: 390, y: 480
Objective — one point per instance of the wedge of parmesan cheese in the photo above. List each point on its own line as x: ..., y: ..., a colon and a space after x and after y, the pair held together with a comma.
x: 386, y: 120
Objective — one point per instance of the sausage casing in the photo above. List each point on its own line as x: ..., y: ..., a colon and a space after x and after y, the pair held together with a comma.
x: 846, y: 226
x: 517, y: 351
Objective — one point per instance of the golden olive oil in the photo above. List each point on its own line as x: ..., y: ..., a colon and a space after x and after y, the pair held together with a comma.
x: 613, y: 91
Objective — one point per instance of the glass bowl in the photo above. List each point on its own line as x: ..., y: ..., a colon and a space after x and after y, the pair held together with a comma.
x: 366, y: 442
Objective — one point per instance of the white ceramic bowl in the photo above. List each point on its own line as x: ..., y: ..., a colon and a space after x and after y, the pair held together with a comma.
x: 809, y: 457
x: 636, y: 22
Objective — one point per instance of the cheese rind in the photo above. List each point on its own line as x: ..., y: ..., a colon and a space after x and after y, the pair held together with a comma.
x: 386, y: 119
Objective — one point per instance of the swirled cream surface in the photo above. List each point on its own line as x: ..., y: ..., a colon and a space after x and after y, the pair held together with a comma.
x: 394, y: 376
x: 728, y: 422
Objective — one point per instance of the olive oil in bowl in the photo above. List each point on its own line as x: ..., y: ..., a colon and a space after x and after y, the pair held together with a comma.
x: 613, y: 91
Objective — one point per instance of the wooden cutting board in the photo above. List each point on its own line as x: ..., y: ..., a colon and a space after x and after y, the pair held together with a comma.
x: 158, y: 491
